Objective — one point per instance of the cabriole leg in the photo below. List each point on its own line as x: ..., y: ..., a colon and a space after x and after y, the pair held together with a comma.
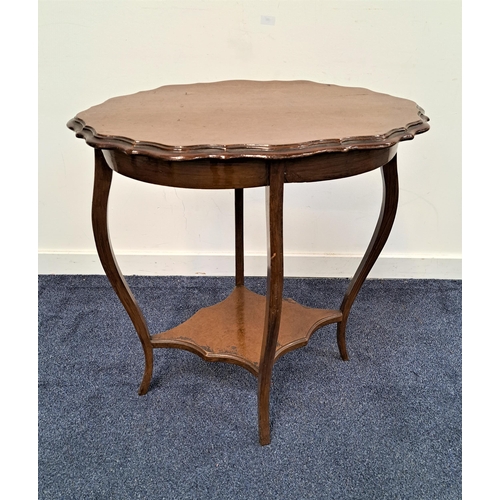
x: 102, y: 185
x: 379, y: 238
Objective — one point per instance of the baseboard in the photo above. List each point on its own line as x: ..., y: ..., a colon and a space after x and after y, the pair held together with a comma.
x: 296, y: 265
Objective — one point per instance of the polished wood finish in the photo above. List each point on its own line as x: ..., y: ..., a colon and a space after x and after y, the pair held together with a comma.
x: 102, y: 185
x: 197, y: 174
x: 245, y: 172
x: 377, y: 243
x: 235, y: 135
x: 274, y: 211
x: 232, y: 330
x: 241, y: 118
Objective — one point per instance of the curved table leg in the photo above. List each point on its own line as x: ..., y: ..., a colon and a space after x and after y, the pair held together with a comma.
x: 102, y: 185
x: 379, y: 238
x: 274, y: 208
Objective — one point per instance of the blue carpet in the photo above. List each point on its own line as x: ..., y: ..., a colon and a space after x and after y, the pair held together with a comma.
x: 384, y: 425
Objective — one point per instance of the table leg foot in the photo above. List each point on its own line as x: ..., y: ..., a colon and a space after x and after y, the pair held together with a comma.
x: 102, y: 186
x: 341, y: 340
x: 264, y: 422
x: 148, y: 372
x: 379, y: 238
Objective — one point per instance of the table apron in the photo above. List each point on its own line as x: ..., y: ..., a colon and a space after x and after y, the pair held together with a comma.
x: 246, y: 172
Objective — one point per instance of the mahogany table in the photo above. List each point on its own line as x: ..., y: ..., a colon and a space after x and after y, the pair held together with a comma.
x: 237, y: 135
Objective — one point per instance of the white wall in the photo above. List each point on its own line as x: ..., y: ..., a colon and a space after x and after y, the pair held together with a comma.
x: 92, y: 50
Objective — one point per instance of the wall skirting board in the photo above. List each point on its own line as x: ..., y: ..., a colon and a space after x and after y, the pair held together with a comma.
x: 296, y: 265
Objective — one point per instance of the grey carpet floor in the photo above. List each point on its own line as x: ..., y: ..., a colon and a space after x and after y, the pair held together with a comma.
x: 384, y: 425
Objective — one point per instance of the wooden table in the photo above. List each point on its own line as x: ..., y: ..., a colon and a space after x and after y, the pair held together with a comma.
x: 237, y: 135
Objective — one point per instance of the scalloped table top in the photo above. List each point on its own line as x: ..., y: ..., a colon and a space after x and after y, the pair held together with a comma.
x: 253, y: 116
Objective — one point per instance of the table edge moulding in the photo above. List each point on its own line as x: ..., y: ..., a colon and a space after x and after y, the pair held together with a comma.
x: 235, y: 135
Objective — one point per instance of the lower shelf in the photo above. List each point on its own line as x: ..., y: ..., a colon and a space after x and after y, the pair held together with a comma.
x: 232, y: 330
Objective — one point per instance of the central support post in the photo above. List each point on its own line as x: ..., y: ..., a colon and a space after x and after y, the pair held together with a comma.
x: 238, y: 225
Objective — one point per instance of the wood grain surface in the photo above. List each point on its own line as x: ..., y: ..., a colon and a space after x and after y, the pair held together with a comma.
x: 242, y: 118
x: 232, y: 330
